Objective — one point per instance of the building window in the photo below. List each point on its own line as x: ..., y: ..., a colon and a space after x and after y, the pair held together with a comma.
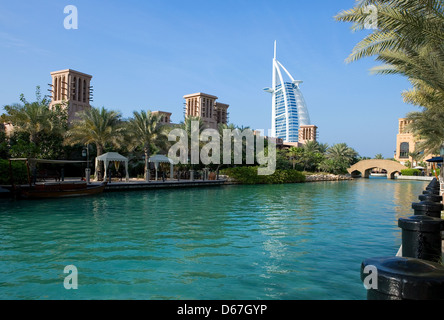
x: 404, y: 150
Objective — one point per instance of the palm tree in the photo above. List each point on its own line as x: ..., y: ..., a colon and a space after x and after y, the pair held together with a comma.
x: 146, y: 132
x: 428, y: 127
x: 293, y: 153
x: 409, y: 41
x: 96, y: 126
x: 323, y: 147
x: 30, y: 118
x: 43, y: 126
x: 416, y: 156
x: 342, y: 153
x: 311, y: 146
x: 33, y: 118
x: 379, y: 156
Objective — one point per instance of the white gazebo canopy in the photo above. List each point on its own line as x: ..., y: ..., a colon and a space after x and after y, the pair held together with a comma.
x: 111, y: 157
x: 162, y: 159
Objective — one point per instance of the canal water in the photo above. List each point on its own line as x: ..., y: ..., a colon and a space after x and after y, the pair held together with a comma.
x: 280, y: 242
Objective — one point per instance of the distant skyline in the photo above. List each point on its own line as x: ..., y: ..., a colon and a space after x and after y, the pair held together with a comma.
x: 149, y: 54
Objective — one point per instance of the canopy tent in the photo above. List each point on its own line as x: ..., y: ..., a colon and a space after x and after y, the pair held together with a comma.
x: 162, y: 159
x: 435, y: 159
x: 112, y: 157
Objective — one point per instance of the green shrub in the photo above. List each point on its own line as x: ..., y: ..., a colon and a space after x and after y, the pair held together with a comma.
x: 19, y: 171
x: 249, y: 175
x: 411, y: 172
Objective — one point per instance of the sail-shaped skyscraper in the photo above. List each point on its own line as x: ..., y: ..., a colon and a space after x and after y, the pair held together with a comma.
x: 289, y: 110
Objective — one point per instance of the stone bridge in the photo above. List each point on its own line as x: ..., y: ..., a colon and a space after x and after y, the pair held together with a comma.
x: 365, y: 167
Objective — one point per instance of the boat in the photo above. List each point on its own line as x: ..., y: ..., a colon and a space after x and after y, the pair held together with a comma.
x: 60, y: 190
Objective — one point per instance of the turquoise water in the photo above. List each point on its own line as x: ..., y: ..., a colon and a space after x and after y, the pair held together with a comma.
x: 301, y: 241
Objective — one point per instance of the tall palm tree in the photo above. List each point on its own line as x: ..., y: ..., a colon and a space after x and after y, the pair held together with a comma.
x: 379, y: 156
x: 343, y: 153
x: 294, y: 153
x: 416, y: 157
x: 146, y: 132
x: 428, y: 127
x: 101, y: 127
x: 409, y: 41
x: 32, y: 118
x: 402, y: 26
x: 323, y: 147
x: 311, y: 146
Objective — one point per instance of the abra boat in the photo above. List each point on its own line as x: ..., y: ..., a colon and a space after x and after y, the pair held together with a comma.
x: 52, y: 190
x: 60, y: 190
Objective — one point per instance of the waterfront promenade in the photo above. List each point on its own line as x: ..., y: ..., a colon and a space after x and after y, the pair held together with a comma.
x: 143, y: 185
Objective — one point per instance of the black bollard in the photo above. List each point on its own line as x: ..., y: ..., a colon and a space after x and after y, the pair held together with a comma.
x: 431, y: 197
x: 421, y: 237
x: 433, y: 186
x: 404, y: 279
x: 428, y: 208
x: 436, y: 192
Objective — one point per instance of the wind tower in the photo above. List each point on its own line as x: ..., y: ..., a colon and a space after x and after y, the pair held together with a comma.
x: 73, y: 88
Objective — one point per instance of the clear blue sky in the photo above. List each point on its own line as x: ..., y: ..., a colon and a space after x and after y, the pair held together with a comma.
x: 149, y: 54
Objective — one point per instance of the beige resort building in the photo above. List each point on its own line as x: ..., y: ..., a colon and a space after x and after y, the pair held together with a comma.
x: 406, y: 144
x: 73, y: 88
x: 206, y: 107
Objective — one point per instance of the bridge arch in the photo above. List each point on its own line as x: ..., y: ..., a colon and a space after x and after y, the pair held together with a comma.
x: 366, y: 166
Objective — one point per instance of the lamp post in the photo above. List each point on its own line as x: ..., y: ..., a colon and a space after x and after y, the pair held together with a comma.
x: 85, y: 153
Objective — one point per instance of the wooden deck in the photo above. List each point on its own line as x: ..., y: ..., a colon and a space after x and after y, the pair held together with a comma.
x: 168, y: 184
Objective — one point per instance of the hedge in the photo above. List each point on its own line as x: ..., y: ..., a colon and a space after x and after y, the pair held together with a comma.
x: 411, y: 172
x: 18, y: 169
x: 249, y: 175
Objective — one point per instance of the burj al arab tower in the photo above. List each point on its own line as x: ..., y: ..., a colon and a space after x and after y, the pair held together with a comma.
x: 289, y: 108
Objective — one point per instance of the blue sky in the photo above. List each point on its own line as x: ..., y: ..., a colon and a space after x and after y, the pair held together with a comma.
x: 149, y: 54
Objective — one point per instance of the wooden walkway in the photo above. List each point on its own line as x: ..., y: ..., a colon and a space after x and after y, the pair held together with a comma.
x: 168, y: 184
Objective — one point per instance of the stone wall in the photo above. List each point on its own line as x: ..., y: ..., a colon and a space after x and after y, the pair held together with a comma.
x: 327, y: 177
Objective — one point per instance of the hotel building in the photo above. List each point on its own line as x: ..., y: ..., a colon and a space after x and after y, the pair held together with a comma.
x: 406, y: 144
x: 207, y: 108
x: 73, y: 88
x: 289, y: 110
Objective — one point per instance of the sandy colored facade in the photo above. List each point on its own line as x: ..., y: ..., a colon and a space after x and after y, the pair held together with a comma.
x: 7, y: 128
x: 406, y: 144
x: 165, y: 117
x: 207, y: 108
x: 307, y: 133
x: 72, y: 88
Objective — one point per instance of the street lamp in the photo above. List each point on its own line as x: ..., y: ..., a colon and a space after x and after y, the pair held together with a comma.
x: 85, y: 153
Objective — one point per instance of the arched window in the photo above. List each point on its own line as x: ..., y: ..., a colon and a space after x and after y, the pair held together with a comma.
x: 404, y: 150
x: 74, y: 91
x: 63, y: 88
x: 84, y: 90
x: 56, y: 83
